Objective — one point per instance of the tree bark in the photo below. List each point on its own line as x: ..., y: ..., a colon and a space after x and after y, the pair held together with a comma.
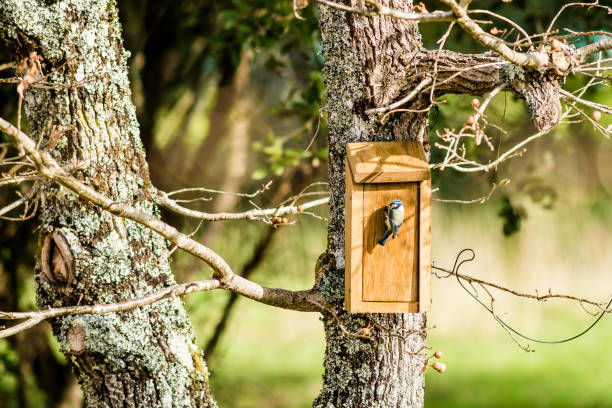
x: 365, y: 60
x: 146, y: 357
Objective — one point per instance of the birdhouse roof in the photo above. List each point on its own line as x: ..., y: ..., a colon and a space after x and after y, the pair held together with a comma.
x: 387, y: 162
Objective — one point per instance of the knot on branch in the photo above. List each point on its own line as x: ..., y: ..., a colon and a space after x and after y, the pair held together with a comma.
x: 541, y: 94
x: 75, y: 339
x: 57, y: 260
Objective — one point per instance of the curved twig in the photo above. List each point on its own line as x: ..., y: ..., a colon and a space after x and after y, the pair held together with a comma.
x: 50, y: 169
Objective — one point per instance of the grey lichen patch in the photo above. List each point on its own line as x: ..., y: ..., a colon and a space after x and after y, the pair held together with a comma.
x: 124, y: 339
x: 62, y: 208
x: 362, y: 373
x: 511, y: 72
x: 31, y: 18
x: 540, y: 91
x: 112, y: 261
x: 184, y: 355
x: 358, y: 372
x: 332, y: 287
x: 151, y: 349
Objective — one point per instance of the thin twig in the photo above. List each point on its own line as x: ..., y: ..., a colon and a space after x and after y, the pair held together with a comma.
x: 30, y: 194
x: 426, y: 81
x: 480, y: 200
x: 51, y: 170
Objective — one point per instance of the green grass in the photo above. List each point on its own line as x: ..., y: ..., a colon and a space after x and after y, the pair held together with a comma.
x: 273, y: 358
x: 269, y: 358
x: 488, y: 370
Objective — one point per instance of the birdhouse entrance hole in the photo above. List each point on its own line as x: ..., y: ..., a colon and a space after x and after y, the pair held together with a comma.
x: 394, y: 277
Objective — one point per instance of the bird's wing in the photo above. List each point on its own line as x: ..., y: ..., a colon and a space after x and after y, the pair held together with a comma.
x: 387, y: 220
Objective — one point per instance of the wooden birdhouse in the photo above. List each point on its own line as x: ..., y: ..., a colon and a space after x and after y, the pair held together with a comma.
x: 395, y: 277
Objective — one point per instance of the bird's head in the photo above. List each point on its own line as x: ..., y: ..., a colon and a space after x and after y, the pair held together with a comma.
x: 395, y: 204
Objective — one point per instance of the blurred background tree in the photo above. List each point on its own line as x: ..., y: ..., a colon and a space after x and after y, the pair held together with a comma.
x: 230, y: 95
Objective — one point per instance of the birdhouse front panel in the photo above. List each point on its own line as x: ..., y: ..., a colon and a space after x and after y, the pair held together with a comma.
x: 397, y: 279
x: 388, y: 227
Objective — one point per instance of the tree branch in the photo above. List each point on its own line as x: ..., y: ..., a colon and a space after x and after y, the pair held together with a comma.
x: 256, y: 214
x: 536, y: 61
x: 380, y: 10
x: 532, y: 60
x: 50, y: 169
x: 479, y: 200
x: 537, y: 296
x: 594, y: 48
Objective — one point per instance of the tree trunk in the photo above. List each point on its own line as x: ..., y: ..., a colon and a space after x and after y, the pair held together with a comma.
x: 146, y: 357
x: 364, y: 60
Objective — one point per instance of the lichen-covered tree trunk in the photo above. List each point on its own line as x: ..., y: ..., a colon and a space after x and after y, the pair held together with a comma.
x: 146, y: 357
x: 364, y: 60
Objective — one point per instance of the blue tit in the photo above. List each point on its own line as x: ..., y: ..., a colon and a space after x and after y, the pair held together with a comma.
x: 394, y: 217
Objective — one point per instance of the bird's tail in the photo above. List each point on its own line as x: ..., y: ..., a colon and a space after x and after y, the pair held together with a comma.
x: 384, y: 238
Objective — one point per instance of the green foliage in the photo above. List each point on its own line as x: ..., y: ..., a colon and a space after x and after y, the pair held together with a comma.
x: 258, y: 25
x: 9, y: 367
x: 272, y: 358
x: 279, y: 156
x: 205, y: 42
x: 489, y: 371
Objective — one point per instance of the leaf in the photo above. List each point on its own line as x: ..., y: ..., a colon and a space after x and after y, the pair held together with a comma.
x: 259, y: 173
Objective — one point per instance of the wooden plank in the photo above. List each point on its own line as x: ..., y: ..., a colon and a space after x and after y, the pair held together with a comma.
x: 425, y: 247
x: 386, y: 307
x: 390, y: 272
x: 348, y: 206
x: 353, y: 242
x: 387, y: 162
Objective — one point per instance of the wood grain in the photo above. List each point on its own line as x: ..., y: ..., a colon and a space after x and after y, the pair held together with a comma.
x: 425, y: 247
x: 387, y: 162
x: 385, y: 307
x: 353, y: 242
x: 390, y: 272
x: 394, y: 278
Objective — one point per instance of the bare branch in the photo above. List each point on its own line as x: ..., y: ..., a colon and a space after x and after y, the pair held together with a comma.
x: 380, y: 10
x: 594, y: 105
x: 531, y: 60
x: 35, y: 317
x: 27, y: 197
x: 426, y: 81
x: 562, y: 9
x: 8, y: 65
x: 50, y: 169
x: 607, y: 132
x: 264, y: 187
x: 257, y: 214
x: 480, y: 200
x: 479, y: 133
x: 171, y: 291
x: 456, y: 151
x: 363, y: 334
x: 31, y: 322
x: 549, y: 294
x: 594, y: 48
x: 18, y: 179
x: 535, y: 60
x: 507, y: 20
x: 468, y: 166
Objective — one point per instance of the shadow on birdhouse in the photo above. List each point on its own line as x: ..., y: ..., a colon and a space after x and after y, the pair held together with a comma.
x: 394, y: 277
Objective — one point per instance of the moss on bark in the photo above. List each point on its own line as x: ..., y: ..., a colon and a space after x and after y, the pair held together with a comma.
x: 141, y: 358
